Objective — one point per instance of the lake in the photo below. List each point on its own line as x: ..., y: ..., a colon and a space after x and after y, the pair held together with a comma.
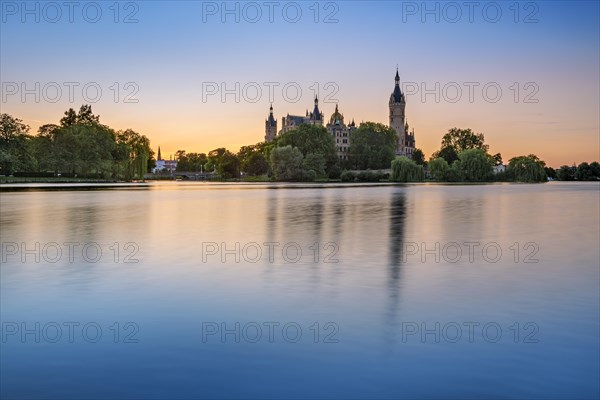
x: 208, y: 290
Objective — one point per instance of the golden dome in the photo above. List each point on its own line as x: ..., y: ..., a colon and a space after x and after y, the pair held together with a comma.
x: 336, y: 118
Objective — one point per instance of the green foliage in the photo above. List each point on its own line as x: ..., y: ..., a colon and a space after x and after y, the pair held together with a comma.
x: 311, y: 139
x: 464, y: 139
x: 80, y: 147
x: 335, y: 172
x: 474, y: 165
x: 139, y: 152
x: 372, y: 146
x: 438, y: 168
x: 315, y: 162
x: 84, y: 117
x: 527, y: 169
x: 588, y: 172
x: 15, y: 145
x: 447, y: 153
x: 418, y: 157
x: 497, y: 159
x: 254, y: 159
x: 566, y: 173
x: 455, y: 173
x: 406, y: 170
x: 364, y: 176
x: 223, y: 162
x: 84, y: 150
x: 347, y: 176
x: 190, y: 162
x: 286, y: 164
x: 551, y: 172
x: 595, y: 167
x: 458, y: 140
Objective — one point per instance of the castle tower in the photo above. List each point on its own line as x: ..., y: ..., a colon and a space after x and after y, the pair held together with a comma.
x: 316, y: 117
x: 397, y: 116
x: 270, y: 126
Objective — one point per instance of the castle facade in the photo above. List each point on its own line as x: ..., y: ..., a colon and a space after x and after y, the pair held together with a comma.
x: 405, y: 143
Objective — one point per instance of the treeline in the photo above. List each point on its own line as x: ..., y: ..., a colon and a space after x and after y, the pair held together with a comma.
x: 79, y: 146
x: 582, y: 172
x: 306, y: 153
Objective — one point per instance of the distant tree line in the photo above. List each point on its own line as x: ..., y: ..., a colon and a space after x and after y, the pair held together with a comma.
x: 82, y: 146
x: 79, y: 146
x: 583, y: 172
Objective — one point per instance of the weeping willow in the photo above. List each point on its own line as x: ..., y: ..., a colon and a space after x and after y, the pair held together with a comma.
x: 138, y: 148
x: 527, y: 169
x: 406, y: 170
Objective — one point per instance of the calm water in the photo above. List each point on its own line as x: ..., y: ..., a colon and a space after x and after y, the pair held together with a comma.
x: 438, y: 291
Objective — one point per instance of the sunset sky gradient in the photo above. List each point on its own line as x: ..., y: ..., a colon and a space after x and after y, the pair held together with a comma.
x: 175, y: 50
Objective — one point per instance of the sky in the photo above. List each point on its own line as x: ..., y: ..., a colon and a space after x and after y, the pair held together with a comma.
x: 196, y: 75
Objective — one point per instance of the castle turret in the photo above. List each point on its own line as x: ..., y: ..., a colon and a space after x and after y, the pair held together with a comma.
x: 270, y: 126
x: 316, y: 117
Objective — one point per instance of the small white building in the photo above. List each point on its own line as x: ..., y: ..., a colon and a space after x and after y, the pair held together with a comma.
x: 164, y: 165
x: 499, y: 168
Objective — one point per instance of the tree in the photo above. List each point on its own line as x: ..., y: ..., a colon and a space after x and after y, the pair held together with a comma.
x: 475, y: 165
x: 438, y: 168
x: 15, y: 145
x: 551, y: 172
x: 84, y: 117
x: 418, y: 157
x: 315, y: 162
x: 224, y: 162
x: 84, y: 150
x: 464, y: 139
x: 595, y: 167
x: 139, y: 153
x: 497, y: 159
x: 406, y: 170
x: 192, y: 162
x: 286, y: 164
x: 253, y: 159
x: 455, y: 173
x: 48, y: 131
x: 566, y: 173
x: 585, y: 172
x: 311, y: 139
x: 527, y: 169
x: 372, y: 146
x: 447, y: 153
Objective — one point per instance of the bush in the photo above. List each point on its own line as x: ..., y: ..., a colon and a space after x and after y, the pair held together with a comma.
x: 348, y: 176
x: 334, y: 172
x: 406, y: 170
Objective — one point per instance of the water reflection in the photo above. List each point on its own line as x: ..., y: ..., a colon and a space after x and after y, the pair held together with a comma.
x: 369, y: 293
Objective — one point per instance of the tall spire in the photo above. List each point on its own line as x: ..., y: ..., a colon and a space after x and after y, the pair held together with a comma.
x: 397, y: 94
x: 159, y: 156
x: 271, y: 120
x: 316, y: 114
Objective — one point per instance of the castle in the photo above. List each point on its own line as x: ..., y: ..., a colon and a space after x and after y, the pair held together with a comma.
x: 405, y: 144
